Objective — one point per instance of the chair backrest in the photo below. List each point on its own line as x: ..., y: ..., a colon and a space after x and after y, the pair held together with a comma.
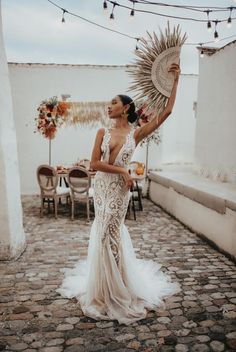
x: 85, y: 163
x: 47, y: 179
x: 79, y: 179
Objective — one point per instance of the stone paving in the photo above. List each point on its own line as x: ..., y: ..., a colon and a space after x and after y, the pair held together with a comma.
x: 201, y: 318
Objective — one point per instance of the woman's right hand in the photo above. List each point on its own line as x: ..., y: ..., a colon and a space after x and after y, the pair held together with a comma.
x: 127, y: 178
x: 175, y: 68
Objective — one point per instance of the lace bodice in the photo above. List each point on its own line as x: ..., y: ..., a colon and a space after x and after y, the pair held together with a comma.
x: 124, y: 155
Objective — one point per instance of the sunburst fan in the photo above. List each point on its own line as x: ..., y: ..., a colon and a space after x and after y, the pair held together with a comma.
x: 151, y: 79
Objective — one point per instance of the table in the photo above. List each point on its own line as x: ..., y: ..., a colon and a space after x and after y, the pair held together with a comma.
x: 63, y: 177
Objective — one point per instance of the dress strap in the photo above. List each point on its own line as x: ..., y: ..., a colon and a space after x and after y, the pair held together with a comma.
x: 106, y: 137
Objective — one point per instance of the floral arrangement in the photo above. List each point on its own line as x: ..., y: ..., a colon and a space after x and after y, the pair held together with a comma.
x: 52, y: 114
x: 144, y: 118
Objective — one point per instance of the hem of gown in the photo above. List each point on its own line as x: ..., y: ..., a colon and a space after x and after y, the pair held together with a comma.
x: 107, y: 316
x: 145, y: 286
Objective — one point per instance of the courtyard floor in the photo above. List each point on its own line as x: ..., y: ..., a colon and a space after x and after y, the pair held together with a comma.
x: 33, y: 317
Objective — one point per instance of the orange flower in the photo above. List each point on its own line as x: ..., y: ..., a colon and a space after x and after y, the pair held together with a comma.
x: 62, y: 107
x: 50, y: 132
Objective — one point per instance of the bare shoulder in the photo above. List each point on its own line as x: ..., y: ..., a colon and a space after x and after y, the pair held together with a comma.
x: 101, y: 132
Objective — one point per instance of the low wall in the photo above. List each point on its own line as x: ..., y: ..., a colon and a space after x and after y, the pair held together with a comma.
x: 207, y: 207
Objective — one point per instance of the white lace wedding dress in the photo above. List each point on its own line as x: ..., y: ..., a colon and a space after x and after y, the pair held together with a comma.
x: 112, y: 283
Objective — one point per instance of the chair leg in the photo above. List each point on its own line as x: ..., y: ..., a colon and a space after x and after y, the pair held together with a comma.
x: 48, y: 205
x: 139, y: 196
x: 72, y: 209
x: 41, y: 208
x: 133, y: 206
x: 88, y: 214
x: 133, y: 202
x: 55, y: 205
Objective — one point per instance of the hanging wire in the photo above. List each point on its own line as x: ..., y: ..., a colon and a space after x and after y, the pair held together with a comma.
x: 169, y: 16
x: 186, y: 7
x: 125, y: 34
x: 92, y: 22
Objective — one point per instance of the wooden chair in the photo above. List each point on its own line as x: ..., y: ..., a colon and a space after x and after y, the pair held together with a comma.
x: 85, y: 163
x: 49, y: 190
x: 79, y: 181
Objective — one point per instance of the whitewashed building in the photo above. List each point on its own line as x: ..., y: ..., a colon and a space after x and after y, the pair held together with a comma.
x: 204, y: 197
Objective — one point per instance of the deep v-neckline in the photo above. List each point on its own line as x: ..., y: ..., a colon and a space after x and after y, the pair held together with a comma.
x: 121, y: 148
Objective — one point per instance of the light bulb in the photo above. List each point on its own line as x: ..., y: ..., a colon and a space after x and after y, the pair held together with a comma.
x: 132, y: 13
x: 105, y: 5
x: 216, y: 36
x: 229, y: 22
x: 209, y: 26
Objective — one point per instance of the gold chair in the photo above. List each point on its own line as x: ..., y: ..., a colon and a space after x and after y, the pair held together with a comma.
x: 79, y: 180
x: 49, y: 190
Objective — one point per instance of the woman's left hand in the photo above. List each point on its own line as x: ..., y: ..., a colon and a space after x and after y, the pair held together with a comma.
x: 128, y: 179
x: 175, y: 68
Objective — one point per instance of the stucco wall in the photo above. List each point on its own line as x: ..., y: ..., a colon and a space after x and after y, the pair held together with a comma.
x: 12, y: 237
x: 31, y: 83
x: 216, y: 116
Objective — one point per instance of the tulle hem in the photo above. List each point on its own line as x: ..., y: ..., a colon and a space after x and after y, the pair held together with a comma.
x: 105, y: 292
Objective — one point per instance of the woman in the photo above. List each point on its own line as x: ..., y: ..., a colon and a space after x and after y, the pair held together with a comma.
x: 112, y: 283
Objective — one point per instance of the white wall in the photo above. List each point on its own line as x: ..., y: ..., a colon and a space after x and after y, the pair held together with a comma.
x: 179, y: 129
x: 216, y: 116
x: 12, y: 236
x: 31, y: 83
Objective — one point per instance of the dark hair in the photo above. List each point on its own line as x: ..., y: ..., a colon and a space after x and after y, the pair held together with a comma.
x: 132, y: 115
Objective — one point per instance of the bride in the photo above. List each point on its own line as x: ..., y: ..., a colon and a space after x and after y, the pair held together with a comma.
x: 112, y: 283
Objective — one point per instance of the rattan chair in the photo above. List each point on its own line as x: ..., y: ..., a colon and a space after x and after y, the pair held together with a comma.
x: 49, y: 190
x: 79, y: 180
x: 85, y: 163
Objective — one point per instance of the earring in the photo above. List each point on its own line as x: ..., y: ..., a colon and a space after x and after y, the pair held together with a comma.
x: 124, y: 114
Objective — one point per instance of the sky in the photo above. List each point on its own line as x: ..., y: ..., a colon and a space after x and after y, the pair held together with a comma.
x: 33, y: 31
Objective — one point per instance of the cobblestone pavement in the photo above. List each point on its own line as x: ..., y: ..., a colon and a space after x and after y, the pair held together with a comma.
x: 34, y: 317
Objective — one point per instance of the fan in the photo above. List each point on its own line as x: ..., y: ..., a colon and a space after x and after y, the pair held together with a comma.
x: 151, y: 79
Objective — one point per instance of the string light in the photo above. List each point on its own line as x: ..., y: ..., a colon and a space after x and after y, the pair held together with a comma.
x: 202, y: 51
x: 63, y: 16
x: 136, y: 48
x: 208, y: 21
x: 229, y: 21
x: 132, y: 11
x: 112, y: 17
x: 194, y: 8
x: 105, y: 7
x: 216, y: 35
x: 125, y: 34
